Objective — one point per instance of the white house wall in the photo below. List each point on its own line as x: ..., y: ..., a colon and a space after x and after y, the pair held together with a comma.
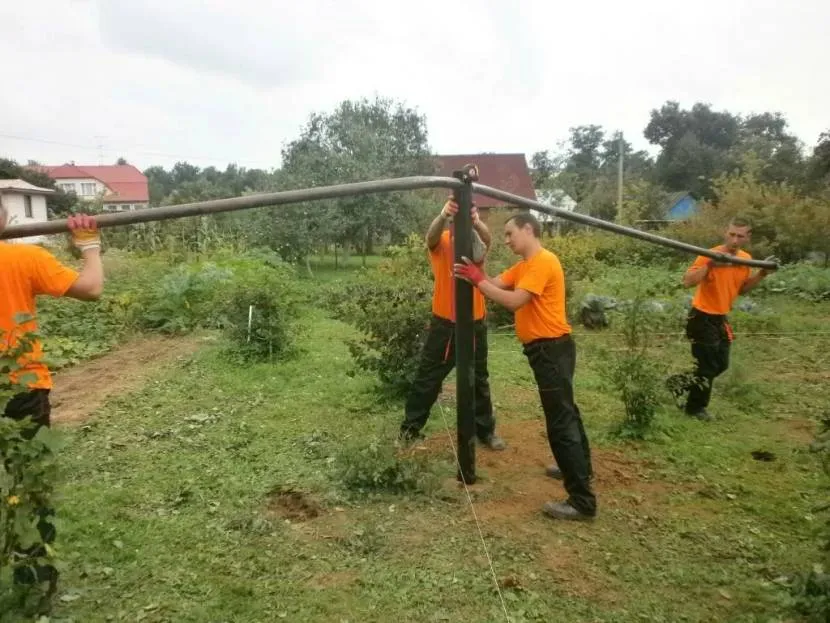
x: 100, y: 189
x: 16, y: 209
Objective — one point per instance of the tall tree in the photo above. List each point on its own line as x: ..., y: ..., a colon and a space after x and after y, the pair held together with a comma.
x: 361, y: 140
x: 766, y: 135
x: 819, y: 166
x: 695, y: 146
x: 700, y: 144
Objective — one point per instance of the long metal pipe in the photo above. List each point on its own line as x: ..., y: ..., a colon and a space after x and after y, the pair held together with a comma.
x: 361, y: 188
x: 247, y: 202
x: 510, y: 198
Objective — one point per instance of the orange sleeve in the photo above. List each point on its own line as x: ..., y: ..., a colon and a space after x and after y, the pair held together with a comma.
x: 701, y: 260
x: 48, y: 275
x: 536, y: 277
x: 508, y: 277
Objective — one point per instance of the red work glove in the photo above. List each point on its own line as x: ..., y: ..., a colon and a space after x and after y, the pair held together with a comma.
x: 470, y: 272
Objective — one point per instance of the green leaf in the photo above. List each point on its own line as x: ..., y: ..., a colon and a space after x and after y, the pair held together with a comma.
x: 52, y: 439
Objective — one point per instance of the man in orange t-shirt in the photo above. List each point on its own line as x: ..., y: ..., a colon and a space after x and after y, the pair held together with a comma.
x: 438, y: 354
x: 25, y: 272
x: 534, y: 289
x: 707, y: 327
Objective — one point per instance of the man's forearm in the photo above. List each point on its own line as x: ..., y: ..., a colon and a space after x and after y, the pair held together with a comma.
x: 436, y: 228
x: 483, y: 232
x: 90, y: 282
x: 694, y: 276
x: 753, y: 281
x: 507, y: 298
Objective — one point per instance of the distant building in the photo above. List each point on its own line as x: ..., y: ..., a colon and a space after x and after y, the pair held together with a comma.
x: 25, y: 204
x: 507, y: 172
x: 680, y: 207
x: 556, y: 198
x: 118, y: 187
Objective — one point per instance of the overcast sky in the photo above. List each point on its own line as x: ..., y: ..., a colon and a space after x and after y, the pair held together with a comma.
x: 218, y: 81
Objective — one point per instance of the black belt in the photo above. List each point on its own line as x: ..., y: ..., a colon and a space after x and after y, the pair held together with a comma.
x: 450, y: 323
x: 541, y: 340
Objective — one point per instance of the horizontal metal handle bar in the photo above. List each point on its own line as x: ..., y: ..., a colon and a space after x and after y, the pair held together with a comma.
x: 359, y: 188
x: 239, y: 203
x: 510, y: 198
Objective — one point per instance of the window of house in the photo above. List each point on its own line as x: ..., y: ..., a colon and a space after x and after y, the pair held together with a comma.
x: 87, y: 190
x: 27, y: 206
x: 68, y: 188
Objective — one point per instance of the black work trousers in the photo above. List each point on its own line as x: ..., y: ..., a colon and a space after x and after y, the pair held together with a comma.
x: 711, y: 338
x: 553, y: 362
x: 437, y: 360
x: 34, y: 404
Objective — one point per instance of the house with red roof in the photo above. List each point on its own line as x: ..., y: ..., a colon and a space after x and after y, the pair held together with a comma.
x: 508, y: 172
x: 117, y: 187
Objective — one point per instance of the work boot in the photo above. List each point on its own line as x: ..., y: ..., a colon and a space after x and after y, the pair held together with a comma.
x: 554, y: 472
x: 702, y: 415
x: 494, y: 442
x: 409, y: 438
x: 563, y: 510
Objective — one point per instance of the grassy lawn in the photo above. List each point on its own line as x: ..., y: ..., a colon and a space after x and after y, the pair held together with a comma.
x: 214, y: 492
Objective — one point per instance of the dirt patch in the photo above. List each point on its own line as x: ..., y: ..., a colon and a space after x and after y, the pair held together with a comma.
x: 81, y: 389
x: 513, y: 486
x: 293, y: 505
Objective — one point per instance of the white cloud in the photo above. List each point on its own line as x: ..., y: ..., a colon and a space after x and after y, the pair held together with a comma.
x: 233, y: 81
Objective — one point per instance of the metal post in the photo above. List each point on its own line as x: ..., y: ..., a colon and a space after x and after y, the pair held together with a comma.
x: 620, y: 181
x: 465, y: 332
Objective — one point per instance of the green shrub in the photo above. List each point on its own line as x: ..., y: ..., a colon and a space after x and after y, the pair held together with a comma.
x: 586, y: 255
x: 377, y: 467
x: 393, y: 316
x: 803, y: 281
x: 261, y: 306
x: 391, y: 307
x: 184, y: 299
x: 28, y: 473
x: 635, y: 375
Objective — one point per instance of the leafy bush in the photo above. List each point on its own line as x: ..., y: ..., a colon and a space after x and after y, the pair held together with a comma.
x: 391, y: 307
x: 146, y: 294
x: 184, y: 299
x: 586, y: 255
x: 269, y: 296
x: 634, y: 375
x: 804, y: 281
x: 376, y: 467
x: 393, y: 316
x: 27, y: 476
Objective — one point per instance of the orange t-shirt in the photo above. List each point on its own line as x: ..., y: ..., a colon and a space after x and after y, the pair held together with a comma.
x: 442, y: 258
x: 26, y: 271
x: 716, y: 293
x: 544, y: 316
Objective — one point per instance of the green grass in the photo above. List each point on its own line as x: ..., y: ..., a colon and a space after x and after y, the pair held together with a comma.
x: 167, y: 503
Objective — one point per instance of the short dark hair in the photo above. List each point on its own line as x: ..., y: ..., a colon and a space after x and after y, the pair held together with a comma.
x: 526, y: 218
x: 741, y: 221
